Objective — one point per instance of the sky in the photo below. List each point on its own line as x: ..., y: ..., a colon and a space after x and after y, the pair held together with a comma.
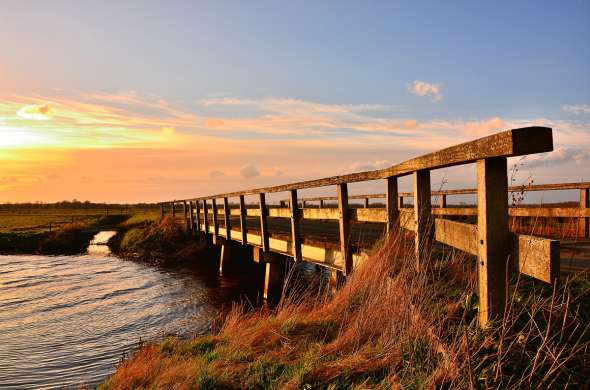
x: 131, y: 101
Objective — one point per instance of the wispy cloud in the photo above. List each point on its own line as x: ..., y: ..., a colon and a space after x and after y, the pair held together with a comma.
x: 126, y: 140
x: 577, y: 108
x: 422, y: 88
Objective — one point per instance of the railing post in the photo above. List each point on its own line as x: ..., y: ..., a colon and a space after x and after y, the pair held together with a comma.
x: 493, y: 236
x: 206, y: 216
x: 198, y: 215
x: 321, y: 203
x: 344, y: 227
x: 422, y: 216
x: 303, y: 203
x: 243, y: 219
x: 173, y: 209
x: 226, y: 216
x: 366, y: 203
x: 295, y: 232
x: 185, y: 212
x: 400, y: 202
x: 264, y: 223
x: 584, y: 230
x: 443, y: 204
x: 391, y: 205
x: 190, y: 216
x: 215, y: 221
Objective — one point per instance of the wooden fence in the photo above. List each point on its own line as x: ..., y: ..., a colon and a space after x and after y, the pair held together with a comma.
x: 490, y: 239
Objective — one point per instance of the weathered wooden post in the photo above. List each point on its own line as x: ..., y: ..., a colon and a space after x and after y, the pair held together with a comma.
x: 173, y: 209
x: 321, y: 203
x: 366, y: 203
x: 190, y: 216
x: 227, y: 215
x: 206, y: 216
x: 391, y: 205
x: 264, y: 223
x: 295, y: 232
x: 243, y: 220
x: 198, y: 215
x: 443, y: 204
x: 303, y: 203
x: 584, y: 230
x: 215, y: 221
x: 400, y: 203
x: 422, y: 216
x: 344, y: 228
x: 492, y: 237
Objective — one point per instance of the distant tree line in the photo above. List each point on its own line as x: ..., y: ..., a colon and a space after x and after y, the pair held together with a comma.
x: 76, y: 205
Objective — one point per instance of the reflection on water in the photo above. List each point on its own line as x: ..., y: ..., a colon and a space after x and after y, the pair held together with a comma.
x: 66, y: 320
x: 98, y: 245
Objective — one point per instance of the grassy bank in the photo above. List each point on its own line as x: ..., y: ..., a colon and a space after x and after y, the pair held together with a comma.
x: 159, y: 241
x: 387, y: 327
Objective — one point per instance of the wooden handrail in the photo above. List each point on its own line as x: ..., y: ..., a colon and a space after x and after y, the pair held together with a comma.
x: 510, y: 143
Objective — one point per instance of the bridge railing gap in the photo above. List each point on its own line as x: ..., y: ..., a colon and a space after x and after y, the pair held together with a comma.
x: 490, y: 239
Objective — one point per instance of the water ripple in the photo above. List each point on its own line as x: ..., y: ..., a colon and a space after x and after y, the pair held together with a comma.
x: 67, y: 320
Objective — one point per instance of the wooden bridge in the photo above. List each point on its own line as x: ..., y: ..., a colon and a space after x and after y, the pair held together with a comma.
x: 338, y: 236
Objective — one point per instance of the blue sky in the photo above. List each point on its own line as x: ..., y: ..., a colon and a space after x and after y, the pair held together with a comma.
x: 441, y: 64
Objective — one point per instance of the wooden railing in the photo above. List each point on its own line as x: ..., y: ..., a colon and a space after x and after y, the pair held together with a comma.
x: 582, y: 212
x: 490, y: 239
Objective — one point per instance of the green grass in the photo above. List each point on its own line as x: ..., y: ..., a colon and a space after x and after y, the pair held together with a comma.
x: 42, y: 220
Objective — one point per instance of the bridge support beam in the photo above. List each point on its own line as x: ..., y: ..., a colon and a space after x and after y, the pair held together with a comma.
x: 274, y: 280
x: 584, y: 229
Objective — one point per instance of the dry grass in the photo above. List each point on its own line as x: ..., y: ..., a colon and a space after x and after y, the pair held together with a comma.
x: 388, y: 327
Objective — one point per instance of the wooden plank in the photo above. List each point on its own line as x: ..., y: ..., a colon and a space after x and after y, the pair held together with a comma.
x: 205, y: 216
x: 263, y: 222
x: 516, y: 142
x: 584, y: 230
x: 198, y: 215
x: 243, y: 221
x: 295, y: 231
x: 462, y: 236
x: 344, y: 227
x: 493, y: 237
x: 391, y: 205
x: 215, y: 221
x: 535, y: 256
x: 226, y: 217
x: 326, y: 257
x: 423, y: 217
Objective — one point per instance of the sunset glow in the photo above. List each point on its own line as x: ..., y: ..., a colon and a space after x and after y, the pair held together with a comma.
x: 192, y: 126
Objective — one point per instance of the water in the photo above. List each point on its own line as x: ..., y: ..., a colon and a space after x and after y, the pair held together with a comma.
x: 67, y: 320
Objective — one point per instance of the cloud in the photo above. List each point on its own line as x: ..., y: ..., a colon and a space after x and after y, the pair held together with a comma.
x: 249, y: 172
x: 560, y: 155
x: 484, y: 127
x: 368, y: 165
x: 576, y: 109
x: 422, y: 88
x: 216, y: 174
x: 37, y: 112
